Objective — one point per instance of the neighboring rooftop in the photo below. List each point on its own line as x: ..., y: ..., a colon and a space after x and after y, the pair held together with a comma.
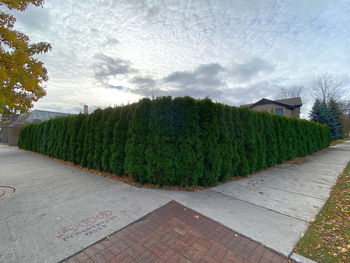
x: 290, y: 103
x: 36, y: 116
x: 296, y: 102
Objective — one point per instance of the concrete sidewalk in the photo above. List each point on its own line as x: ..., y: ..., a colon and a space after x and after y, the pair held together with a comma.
x: 57, y: 210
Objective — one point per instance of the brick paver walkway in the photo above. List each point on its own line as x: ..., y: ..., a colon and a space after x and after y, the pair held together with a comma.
x: 175, y: 233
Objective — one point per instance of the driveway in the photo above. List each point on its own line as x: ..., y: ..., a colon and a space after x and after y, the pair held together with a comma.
x: 57, y: 210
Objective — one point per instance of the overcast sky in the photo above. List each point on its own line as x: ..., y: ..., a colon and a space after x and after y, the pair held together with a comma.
x: 110, y: 52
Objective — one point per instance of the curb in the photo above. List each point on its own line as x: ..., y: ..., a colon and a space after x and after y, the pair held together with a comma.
x: 301, y: 259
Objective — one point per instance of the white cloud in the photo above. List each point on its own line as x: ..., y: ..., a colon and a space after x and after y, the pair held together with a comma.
x: 158, y: 47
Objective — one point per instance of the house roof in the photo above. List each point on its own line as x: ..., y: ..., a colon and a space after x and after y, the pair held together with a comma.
x: 290, y: 103
x: 7, y: 120
x: 296, y: 102
x: 36, y: 116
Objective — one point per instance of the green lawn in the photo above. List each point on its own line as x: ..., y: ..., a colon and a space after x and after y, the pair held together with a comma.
x: 328, y: 238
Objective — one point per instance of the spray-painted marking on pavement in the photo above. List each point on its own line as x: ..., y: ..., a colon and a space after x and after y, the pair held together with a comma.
x: 87, y: 226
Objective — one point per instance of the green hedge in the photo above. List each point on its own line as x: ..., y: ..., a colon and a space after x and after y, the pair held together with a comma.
x: 180, y: 141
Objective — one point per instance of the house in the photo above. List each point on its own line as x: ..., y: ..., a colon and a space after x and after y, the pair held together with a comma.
x: 11, y: 132
x: 5, y: 121
x: 287, y: 107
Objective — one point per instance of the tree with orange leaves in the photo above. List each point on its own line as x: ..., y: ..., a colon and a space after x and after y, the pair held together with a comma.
x: 22, y: 76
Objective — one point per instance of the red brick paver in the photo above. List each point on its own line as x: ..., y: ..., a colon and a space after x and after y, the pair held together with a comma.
x: 174, y: 233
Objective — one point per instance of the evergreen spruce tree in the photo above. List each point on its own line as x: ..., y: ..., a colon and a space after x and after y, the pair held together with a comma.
x: 326, y: 117
x: 337, y: 116
x: 328, y: 114
x: 315, y: 113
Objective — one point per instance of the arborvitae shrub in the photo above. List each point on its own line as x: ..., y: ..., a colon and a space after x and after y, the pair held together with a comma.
x: 179, y: 141
x: 298, y: 151
x: 99, y: 137
x: 209, y: 135
x: 95, y: 118
x: 38, y: 137
x: 108, y: 139
x: 188, y: 157
x: 281, y: 152
x: 46, y: 136
x: 270, y: 139
x: 249, y: 138
x: 74, y: 142
x: 85, y: 128
x: 225, y: 142
x: 239, y: 135
x: 51, y: 138
x: 65, y: 138
x: 160, y: 143
x: 119, y: 135
x: 260, y: 141
x: 136, y: 144
x: 232, y: 135
x: 290, y: 138
x: 82, y: 125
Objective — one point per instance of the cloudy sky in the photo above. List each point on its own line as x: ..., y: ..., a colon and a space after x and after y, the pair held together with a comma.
x: 110, y: 52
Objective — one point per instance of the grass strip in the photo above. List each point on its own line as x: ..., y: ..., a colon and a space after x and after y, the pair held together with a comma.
x: 328, y: 238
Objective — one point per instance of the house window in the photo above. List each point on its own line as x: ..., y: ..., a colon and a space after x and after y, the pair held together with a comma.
x: 279, y: 111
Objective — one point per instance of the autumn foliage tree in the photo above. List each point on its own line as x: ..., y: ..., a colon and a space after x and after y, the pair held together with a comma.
x: 22, y: 76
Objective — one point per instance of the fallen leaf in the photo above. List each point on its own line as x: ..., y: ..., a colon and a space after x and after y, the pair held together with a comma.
x: 196, y: 217
x: 343, y: 250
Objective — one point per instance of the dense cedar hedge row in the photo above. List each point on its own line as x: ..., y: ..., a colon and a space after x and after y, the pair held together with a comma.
x: 180, y: 141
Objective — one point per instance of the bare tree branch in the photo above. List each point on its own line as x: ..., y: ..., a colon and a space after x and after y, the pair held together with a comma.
x: 292, y: 92
x: 327, y: 87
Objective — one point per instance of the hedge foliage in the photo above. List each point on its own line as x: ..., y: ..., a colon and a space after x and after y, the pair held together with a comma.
x: 180, y: 141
